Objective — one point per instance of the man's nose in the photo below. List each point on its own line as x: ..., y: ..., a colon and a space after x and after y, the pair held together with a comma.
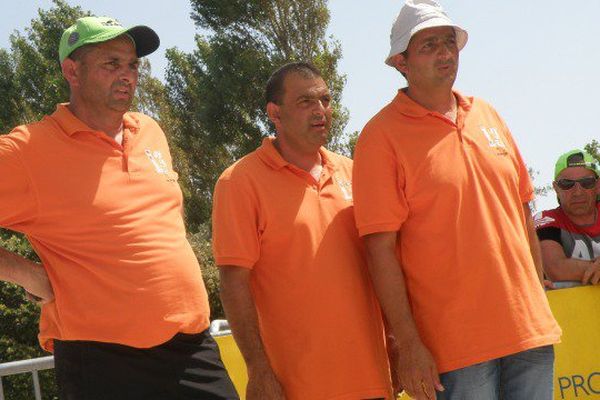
x: 319, y: 108
x: 578, y: 188
x: 444, y: 51
x: 128, y: 75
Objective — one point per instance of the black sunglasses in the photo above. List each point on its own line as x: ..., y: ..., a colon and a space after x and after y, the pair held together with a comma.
x: 586, y: 183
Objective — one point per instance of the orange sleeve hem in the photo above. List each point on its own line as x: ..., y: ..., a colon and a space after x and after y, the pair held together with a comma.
x: 528, y: 197
x: 235, y: 261
x: 378, y: 228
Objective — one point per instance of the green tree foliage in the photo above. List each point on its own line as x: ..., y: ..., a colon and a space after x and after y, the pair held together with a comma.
x: 593, y: 148
x: 37, y: 75
x: 540, y: 191
x: 11, y: 100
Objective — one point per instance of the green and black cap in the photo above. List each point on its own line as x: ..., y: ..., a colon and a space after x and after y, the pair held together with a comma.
x: 90, y: 30
x: 576, y: 158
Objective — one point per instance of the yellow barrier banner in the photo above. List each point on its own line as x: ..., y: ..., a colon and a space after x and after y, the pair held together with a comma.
x: 234, y: 363
x: 577, y: 367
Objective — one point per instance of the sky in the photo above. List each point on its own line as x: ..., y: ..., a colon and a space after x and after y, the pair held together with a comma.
x: 533, y: 60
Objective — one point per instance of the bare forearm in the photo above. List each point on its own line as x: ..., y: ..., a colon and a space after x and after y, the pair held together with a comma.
x: 388, y: 281
x: 567, y: 269
x: 534, y: 244
x: 241, y: 313
x: 414, y: 367
x: 242, y: 316
x: 25, y: 273
x: 536, y: 255
x: 559, y: 267
x: 14, y: 268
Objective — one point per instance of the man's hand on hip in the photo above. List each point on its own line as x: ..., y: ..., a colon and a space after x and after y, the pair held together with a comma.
x: 38, y: 288
x: 27, y: 274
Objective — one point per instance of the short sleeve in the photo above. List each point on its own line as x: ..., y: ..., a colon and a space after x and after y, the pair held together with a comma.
x: 235, y: 238
x: 17, y: 198
x: 378, y: 183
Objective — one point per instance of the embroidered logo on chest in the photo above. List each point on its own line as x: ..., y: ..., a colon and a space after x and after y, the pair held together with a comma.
x: 494, y: 140
x: 159, y: 163
x: 346, y: 187
x: 493, y: 137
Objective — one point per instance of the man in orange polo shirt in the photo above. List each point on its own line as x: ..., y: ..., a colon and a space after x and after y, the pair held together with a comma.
x: 92, y: 186
x: 441, y: 199
x: 294, y: 281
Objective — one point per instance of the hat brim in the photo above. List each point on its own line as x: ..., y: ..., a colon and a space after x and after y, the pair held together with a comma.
x: 401, y: 45
x: 145, y: 39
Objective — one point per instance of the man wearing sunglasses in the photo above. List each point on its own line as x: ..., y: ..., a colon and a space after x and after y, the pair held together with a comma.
x: 570, y: 234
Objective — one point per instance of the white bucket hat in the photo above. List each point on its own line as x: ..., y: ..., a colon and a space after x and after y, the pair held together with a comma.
x: 415, y: 16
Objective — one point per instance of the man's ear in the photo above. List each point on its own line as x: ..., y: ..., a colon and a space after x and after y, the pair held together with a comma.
x: 70, y: 70
x: 399, y: 62
x: 273, y: 111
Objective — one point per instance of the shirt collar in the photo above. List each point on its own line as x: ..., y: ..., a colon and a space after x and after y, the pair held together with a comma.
x: 70, y: 124
x: 411, y: 108
x: 270, y: 156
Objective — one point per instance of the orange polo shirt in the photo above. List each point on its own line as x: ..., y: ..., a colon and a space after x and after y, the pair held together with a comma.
x: 106, y: 221
x: 318, y: 316
x: 455, y: 192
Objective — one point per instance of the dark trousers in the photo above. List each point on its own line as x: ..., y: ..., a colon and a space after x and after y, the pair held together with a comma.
x: 184, y: 368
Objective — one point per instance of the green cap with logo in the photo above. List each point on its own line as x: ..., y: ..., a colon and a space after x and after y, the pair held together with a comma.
x: 576, y: 158
x: 90, y: 30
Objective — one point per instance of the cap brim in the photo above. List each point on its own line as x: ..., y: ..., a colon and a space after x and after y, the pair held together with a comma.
x: 146, y: 40
x: 461, y: 36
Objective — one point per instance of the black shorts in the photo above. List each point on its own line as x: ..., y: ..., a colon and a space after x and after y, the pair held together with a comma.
x: 184, y: 368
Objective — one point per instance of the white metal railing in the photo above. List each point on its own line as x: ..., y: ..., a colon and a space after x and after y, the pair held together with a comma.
x: 220, y: 327
x: 24, y: 366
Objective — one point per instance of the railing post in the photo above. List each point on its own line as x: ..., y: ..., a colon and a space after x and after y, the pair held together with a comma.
x: 36, y: 385
x: 24, y: 366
